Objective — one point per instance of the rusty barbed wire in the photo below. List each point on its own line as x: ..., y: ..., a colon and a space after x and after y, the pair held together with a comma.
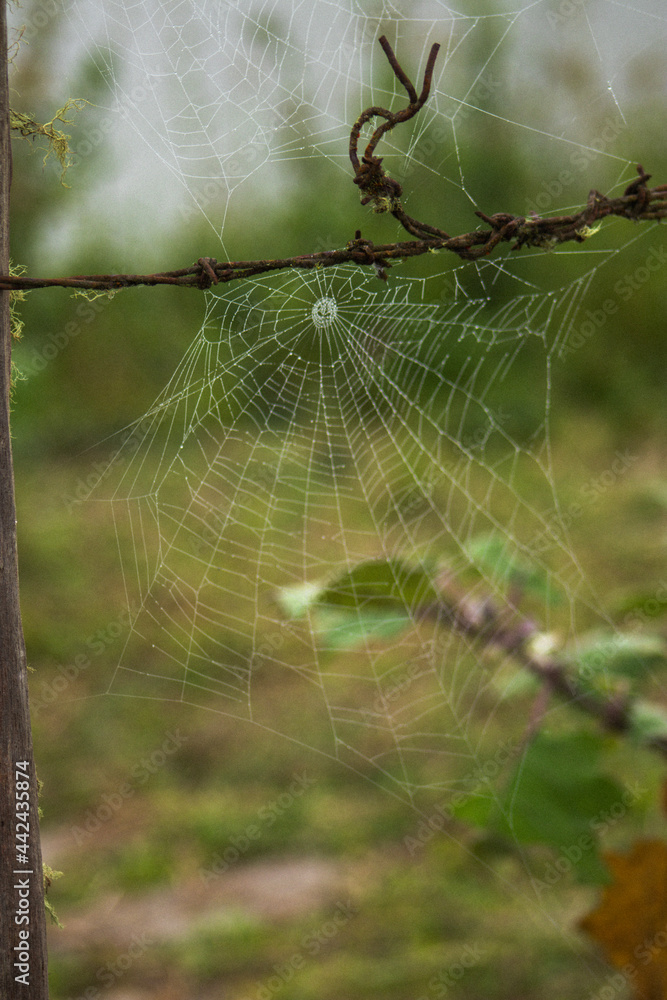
x: 638, y: 203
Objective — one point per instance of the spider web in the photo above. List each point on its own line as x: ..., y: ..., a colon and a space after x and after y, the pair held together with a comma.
x: 320, y: 419
x: 314, y: 423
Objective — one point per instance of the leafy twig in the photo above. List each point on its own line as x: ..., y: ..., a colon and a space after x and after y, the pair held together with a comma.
x: 517, y: 636
x: 598, y: 677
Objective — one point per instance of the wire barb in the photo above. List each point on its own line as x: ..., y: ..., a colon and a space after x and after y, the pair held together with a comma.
x: 638, y: 202
x: 369, y: 175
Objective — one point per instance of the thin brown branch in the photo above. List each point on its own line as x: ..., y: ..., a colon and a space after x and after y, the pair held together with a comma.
x: 504, y: 630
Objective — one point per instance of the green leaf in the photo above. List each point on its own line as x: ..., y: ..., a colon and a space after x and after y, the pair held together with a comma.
x: 493, y: 556
x: 627, y: 654
x: 374, y: 599
x: 641, y: 606
x: 647, y: 721
x: 380, y: 582
x: 558, y: 796
x: 345, y: 630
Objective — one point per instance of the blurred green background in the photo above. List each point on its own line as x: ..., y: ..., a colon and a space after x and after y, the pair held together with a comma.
x: 324, y: 899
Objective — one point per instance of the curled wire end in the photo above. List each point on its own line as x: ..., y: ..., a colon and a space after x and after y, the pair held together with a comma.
x: 374, y: 184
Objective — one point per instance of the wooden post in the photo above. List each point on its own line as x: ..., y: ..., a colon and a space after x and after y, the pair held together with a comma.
x: 23, y: 966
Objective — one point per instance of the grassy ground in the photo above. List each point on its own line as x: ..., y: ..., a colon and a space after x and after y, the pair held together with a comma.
x: 205, y: 855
